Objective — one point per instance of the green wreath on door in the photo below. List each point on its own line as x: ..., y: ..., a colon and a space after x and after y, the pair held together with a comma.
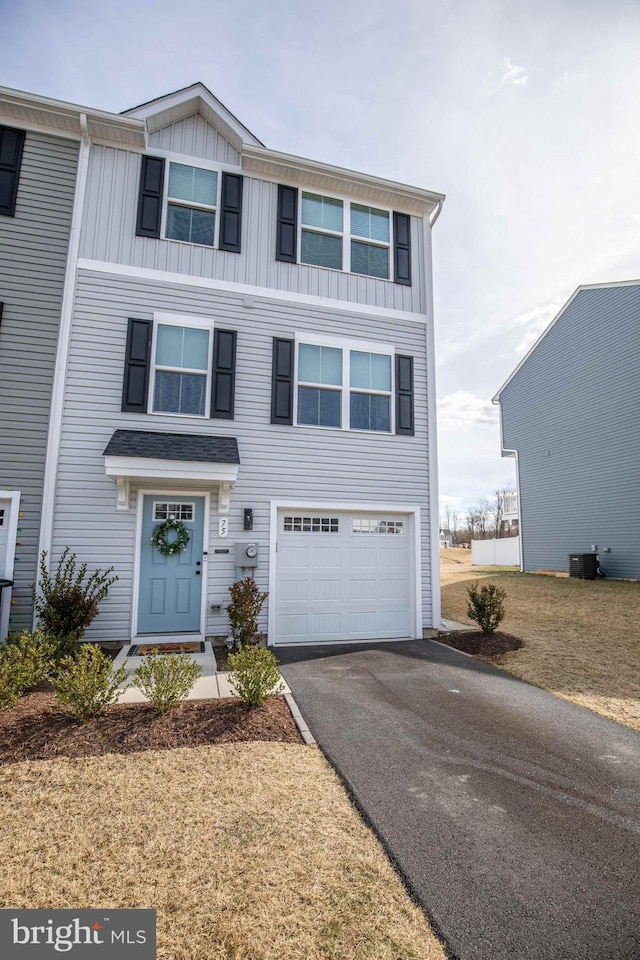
x: 160, y: 540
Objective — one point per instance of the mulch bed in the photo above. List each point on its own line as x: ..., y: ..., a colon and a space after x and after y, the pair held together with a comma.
x: 35, y: 728
x: 481, y: 644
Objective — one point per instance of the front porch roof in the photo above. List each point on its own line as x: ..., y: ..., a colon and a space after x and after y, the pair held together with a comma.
x: 149, y: 455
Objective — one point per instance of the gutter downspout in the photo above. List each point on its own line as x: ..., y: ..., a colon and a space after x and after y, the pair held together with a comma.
x: 432, y: 426
x: 64, y: 339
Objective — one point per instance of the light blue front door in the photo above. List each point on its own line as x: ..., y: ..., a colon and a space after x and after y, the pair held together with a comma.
x: 171, y: 587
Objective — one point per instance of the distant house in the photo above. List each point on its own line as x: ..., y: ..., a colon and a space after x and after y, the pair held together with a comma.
x: 570, y: 415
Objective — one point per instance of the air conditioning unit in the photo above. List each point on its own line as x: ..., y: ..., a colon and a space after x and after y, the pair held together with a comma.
x: 583, y: 565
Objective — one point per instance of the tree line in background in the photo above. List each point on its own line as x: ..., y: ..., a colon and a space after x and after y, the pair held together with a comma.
x: 485, y: 520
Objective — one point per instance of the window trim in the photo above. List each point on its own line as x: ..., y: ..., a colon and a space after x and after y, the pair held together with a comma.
x: 346, y: 345
x: 203, y: 165
x: 180, y: 320
x: 346, y: 234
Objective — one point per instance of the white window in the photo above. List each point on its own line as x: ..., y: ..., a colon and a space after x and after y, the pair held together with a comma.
x: 322, y: 227
x: 192, y: 201
x: 343, y: 386
x: 181, y: 367
x: 341, y: 235
x: 371, y: 525
x: 294, y: 524
x: 370, y: 241
x: 164, y: 510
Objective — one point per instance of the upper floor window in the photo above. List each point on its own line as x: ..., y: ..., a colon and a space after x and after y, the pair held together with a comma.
x: 181, y: 370
x: 340, y: 234
x: 192, y: 200
x: 341, y: 386
x: 370, y: 255
x: 322, y: 226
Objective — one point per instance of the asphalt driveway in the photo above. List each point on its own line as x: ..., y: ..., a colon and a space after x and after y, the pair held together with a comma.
x: 513, y: 815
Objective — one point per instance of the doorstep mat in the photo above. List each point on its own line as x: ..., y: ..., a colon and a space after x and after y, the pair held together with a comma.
x: 184, y: 646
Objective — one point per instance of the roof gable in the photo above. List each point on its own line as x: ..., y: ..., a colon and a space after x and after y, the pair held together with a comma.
x: 185, y: 103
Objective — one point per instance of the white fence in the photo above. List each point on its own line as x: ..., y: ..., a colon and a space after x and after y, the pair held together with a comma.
x: 496, y: 553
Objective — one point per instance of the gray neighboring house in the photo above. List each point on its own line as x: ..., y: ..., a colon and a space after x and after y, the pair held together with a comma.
x: 248, y: 354
x: 570, y: 414
x: 40, y: 143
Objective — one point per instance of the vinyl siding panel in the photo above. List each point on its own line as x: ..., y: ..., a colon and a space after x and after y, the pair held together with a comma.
x: 276, y: 461
x: 194, y: 137
x: 109, y: 235
x: 572, y: 413
x: 33, y: 254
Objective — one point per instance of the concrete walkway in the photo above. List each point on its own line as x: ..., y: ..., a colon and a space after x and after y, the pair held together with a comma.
x: 513, y: 815
x: 211, y: 683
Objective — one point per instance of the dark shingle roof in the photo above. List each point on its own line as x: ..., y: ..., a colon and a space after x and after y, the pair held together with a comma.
x: 172, y: 446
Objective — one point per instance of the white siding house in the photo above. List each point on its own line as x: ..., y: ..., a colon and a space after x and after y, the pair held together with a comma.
x: 250, y: 352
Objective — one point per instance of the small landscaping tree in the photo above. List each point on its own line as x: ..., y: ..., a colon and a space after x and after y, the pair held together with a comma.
x: 254, y: 673
x: 68, y: 601
x: 87, y: 683
x: 244, y: 610
x: 486, y: 606
x: 166, y: 679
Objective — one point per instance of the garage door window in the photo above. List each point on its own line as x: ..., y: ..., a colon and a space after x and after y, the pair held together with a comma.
x: 293, y: 524
x: 371, y: 525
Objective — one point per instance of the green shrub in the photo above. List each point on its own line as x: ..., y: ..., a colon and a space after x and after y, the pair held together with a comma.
x: 87, y: 683
x: 68, y: 602
x: 166, y: 679
x: 25, y: 660
x: 244, y: 610
x: 486, y: 606
x: 254, y: 673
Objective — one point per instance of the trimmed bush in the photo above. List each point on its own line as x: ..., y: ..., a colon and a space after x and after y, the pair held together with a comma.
x: 25, y: 660
x: 87, y: 683
x: 68, y: 602
x: 254, y: 673
x: 244, y: 610
x: 166, y: 679
x: 486, y: 606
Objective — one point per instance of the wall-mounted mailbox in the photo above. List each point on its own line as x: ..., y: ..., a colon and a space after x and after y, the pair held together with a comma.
x: 247, y: 554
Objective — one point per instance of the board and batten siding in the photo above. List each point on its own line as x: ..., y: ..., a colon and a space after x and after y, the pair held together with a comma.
x: 194, y: 137
x: 33, y: 252
x: 109, y: 228
x: 572, y: 412
x: 276, y: 461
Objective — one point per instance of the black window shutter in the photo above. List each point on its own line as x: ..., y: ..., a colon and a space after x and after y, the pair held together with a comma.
x: 150, y: 197
x: 136, y: 367
x: 404, y: 396
x: 11, y: 144
x: 402, y: 248
x: 231, y: 213
x: 287, y: 236
x: 282, y: 381
x: 223, y: 380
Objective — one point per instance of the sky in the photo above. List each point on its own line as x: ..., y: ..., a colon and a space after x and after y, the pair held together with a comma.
x: 525, y: 114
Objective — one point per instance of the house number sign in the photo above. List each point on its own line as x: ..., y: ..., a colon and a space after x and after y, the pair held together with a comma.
x: 223, y: 527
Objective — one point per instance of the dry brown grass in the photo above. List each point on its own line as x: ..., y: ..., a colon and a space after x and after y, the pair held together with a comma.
x: 247, y: 851
x: 581, y: 637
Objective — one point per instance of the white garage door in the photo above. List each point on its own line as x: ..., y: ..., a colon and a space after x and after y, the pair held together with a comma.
x: 343, y: 576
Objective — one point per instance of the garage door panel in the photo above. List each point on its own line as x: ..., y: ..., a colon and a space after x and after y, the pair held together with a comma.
x: 336, y: 584
x: 293, y: 590
x: 327, y: 590
x: 362, y: 589
x: 327, y: 625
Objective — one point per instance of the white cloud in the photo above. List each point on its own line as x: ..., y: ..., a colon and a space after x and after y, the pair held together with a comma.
x: 463, y: 410
x: 517, y: 76
x: 533, y: 322
x: 507, y: 74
